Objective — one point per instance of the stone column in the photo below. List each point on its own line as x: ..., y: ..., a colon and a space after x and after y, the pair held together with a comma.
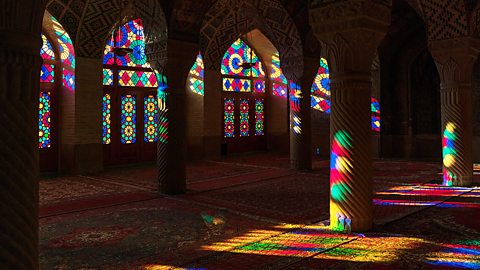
x: 20, y: 62
x: 455, y: 59
x: 350, y: 40
x: 172, y: 150
x: 213, y: 114
x: 300, y: 118
x: 81, y: 150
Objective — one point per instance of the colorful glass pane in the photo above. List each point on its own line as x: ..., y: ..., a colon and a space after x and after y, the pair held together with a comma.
x: 229, y: 118
x: 196, y: 86
x: 279, y: 90
x: 47, y: 74
x: 68, y: 79
x: 108, y: 56
x: 236, y: 85
x: 195, y: 79
x: 129, y: 119
x: 130, y: 35
x: 107, y: 131
x: 107, y: 76
x: 198, y: 68
x: 46, y: 51
x: 44, y: 127
x: 67, y: 55
x: 276, y: 73
x: 320, y: 104
x: 150, y: 107
x: 375, y: 115
x: 137, y: 78
x: 238, y: 53
x: 321, y: 88
x: 259, y: 117
x: 67, y: 52
x: 259, y: 86
x: 244, y: 118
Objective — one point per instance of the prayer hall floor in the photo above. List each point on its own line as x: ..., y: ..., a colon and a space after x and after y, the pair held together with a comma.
x: 250, y: 212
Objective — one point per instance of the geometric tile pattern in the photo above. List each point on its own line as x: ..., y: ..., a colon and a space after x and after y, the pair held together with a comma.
x: 445, y: 19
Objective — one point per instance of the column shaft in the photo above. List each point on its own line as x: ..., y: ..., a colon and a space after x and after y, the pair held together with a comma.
x: 19, y: 86
x: 457, y: 134
x: 351, y: 169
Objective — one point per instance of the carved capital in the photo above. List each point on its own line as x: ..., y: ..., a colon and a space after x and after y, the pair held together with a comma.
x: 455, y: 58
x: 350, y: 32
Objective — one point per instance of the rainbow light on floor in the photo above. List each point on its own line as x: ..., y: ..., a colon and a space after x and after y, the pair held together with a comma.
x: 449, y: 154
x: 462, y: 254
x: 340, y: 164
x: 283, y: 241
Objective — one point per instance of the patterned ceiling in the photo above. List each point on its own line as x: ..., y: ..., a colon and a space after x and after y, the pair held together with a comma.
x: 89, y: 22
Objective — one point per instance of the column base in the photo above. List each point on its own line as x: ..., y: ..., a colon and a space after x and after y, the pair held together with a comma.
x: 356, y: 225
x: 463, y: 181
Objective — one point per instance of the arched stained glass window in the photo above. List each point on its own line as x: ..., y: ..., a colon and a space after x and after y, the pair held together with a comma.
x: 130, y: 103
x: 130, y: 35
x: 244, y: 91
x: 279, y: 81
x: 66, y: 55
x: 196, y: 76
x: 240, y: 53
x: 47, y: 89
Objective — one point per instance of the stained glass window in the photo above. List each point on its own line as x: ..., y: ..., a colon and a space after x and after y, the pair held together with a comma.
x: 244, y: 118
x: 229, y: 118
x: 259, y: 117
x: 44, y: 120
x: 240, y: 53
x: 259, y: 86
x: 47, y: 74
x: 107, y: 76
x: 321, y: 88
x: 150, y: 113
x: 195, y: 77
x: 67, y: 55
x: 276, y: 74
x: 47, y: 79
x: 129, y: 119
x: 107, y: 131
x: 137, y: 78
x: 130, y: 79
x: 375, y: 115
x: 236, y: 85
x: 243, y: 73
x: 130, y: 35
x: 47, y: 50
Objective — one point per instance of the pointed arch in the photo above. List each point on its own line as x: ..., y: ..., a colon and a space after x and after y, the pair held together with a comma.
x: 227, y: 20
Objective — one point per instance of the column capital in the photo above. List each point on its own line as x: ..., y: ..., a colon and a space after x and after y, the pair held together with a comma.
x: 350, y: 32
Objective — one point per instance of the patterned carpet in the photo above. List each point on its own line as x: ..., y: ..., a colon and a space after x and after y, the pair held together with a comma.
x: 239, y: 216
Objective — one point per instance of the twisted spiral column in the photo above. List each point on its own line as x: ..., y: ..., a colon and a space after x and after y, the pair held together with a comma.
x: 457, y: 132
x: 19, y: 84
x: 351, y: 168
